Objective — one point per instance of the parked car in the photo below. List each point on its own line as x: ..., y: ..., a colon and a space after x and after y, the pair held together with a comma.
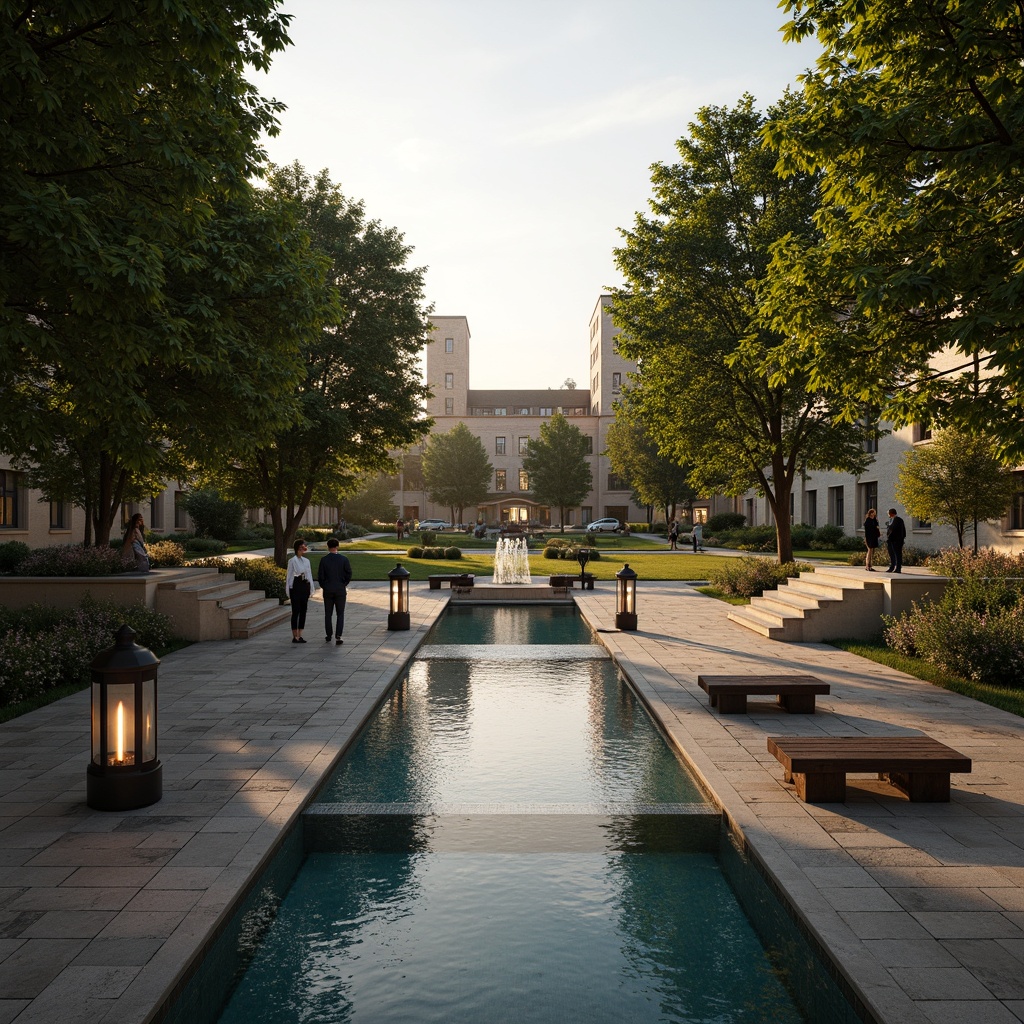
x: 604, y: 526
x: 433, y: 524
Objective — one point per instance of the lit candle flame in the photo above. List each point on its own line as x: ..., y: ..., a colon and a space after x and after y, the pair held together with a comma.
x: 120, y: 732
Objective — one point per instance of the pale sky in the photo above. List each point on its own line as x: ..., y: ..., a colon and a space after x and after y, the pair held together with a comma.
x: 510, y: 141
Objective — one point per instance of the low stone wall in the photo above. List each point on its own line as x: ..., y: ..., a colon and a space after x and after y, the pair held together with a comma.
x: 68, y: 591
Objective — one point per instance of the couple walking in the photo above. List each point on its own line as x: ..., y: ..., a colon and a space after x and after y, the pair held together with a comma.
x: 895, y: 536
x: 334, y: 575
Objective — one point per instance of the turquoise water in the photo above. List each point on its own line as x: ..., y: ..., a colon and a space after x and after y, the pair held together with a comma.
x: 508, y: 808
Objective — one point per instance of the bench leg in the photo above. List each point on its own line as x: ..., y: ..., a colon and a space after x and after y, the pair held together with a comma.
x: 797, y: 703
x: 921, y: 787
x: 434, y: 584
x: 821, y: 787
x: 732, y: 703
x: 713, y: 700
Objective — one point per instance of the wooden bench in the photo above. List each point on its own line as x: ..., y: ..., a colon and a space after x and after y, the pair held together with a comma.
x: 456, y: 579
x: 567, y: 582
x: 795, y: 693
x: 917, y: 765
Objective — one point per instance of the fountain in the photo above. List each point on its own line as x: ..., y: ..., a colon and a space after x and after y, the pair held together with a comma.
x: 511, y: 561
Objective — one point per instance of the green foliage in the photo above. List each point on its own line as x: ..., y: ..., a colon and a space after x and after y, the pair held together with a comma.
x: 456, y: 470
x: 827, y: 537
x: 452, y: 552
x: 427, y: 537
x: 562, y: 548
x: 360, y: 395
x: 557, y: 465
x: 723, y: 521
x: 213, y: 514
x: 12, y: 554
x: 913, y: 116
x: 165, y: 553
x: 751, y: 577
x: 750, y: 538
x: 209, y: 545
x: 372, y: 502
x: 260, y: 573
x: 75, y: 560
x: 44, y: 648
x: 414, y: 552
x: 956, y: 480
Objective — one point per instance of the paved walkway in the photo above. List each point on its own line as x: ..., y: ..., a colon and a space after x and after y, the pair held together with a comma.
x: 922, y: 905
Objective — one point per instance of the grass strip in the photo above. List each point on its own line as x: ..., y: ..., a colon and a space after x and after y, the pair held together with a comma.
x: 721, y: 595
x: 1006, y: 698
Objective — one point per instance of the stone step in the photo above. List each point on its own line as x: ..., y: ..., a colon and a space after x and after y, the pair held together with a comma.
x: 190, y: 579
x: 242, y: 599
x: 775, y: 627
x: 227, y: 589
x: 257, y: 617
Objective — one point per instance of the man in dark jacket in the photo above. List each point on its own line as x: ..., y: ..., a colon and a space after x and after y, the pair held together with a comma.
x: 895, y: 535
x: 334, y: 575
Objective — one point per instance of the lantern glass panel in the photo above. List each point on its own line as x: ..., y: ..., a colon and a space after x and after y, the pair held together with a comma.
x: 629, y: 597
x: 120, y: 724
x: 149, y: 720
x: 399, y: 596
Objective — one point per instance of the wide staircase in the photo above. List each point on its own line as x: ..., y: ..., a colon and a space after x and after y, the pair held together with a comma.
x: 817, y: 606
x: 205, y: 604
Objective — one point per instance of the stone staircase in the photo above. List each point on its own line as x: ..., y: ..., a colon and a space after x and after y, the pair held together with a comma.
x: 821, y: 605
x: 205, y: 604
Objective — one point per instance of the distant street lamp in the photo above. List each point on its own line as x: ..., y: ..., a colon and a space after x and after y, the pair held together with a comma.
x: 398, y: 614
x: 124, y: 772
x: 583, y: 556
x: 625, y: 598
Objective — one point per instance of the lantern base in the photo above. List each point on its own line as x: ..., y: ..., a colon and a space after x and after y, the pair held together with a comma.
x: 398, y: 620
x: 123, y: 791
x: 623, y: 620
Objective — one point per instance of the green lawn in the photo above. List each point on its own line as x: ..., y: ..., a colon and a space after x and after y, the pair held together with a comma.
x: 1004, y: 697
x: 467, y: 542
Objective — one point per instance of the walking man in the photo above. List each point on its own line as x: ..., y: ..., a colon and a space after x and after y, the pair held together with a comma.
x: 334, y: 575
x: 895, y: 535
x: 697, y: 536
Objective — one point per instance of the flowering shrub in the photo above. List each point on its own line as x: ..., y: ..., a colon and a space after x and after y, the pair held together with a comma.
x: 166, y: 552
x: 12, y: 554
x: 260, y: 573
x: 75, y: 560
x: 44, y: 648
x: 751, y: 577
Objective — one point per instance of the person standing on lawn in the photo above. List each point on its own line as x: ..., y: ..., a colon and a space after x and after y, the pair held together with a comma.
x: 334, y: 576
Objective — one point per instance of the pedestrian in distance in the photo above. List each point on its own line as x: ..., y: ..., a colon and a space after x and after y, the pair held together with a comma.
x: 895, y: 535
x: 872, y: 534
x: 673, y: 535
x: 334, y: 575
x: 134, y: 544
x: 400, y: 529
x: 299, y: 586
x: 697, y: 536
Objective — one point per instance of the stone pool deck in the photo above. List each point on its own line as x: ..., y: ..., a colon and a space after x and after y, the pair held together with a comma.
x: 922, y: 905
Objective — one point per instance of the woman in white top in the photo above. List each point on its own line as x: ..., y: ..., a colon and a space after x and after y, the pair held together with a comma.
x: 299, y: 585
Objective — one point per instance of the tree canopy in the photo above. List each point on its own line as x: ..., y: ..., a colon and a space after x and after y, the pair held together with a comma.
x: 557, y: 465
x: 914, y: 117
x: 708, y: 386
x: 361, y: 395
x: 957, y: 480
x: 456, y: 470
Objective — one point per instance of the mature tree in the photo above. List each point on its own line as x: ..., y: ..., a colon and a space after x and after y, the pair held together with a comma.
x: 361, y: 395
x: 456, y: 470
x: 690, y: 315
x: 557, y: 466
x: 372, y: 502
x: 957, y: 480
x: 656, y: 480
x: 914, y: 116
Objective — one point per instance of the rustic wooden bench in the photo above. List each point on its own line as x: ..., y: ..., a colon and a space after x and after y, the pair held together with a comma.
x: 567, y: 582
x: 795, y: 693
x: 917, y: 765
x: 456, y: 579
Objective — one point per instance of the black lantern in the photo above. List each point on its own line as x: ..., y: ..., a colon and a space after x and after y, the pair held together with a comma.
x: 398, y: 613
x: 586, y: 580
x: 625, y: 598
x: 124, y: 772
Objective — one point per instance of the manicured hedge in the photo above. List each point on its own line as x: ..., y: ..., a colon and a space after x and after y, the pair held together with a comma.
x: 751, y: 577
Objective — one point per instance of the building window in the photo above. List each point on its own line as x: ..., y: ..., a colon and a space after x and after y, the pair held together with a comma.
x: 59, y: 518
x: 590, y: 444
x: 922, y: 524
x: 616, y: 483
x: 499, y: 446
x: 524, y: 480
x: 545, y: 410
x: 811, y: 508
x: 10, y: 503
x: 836, y: 515
x: 449, y: 407
x: 616, y: 382
x: 449, y: 344
x: 500, y: 412
x: 523, y: 446
x: 449, y: 381
x: 751, y: 513
x: 922, y: 433
x: 499, y: 479
x: 868, y: 493
x: 1016, y: 518
x: 588, y: 514
x: 180, y: 515
x: 156, y: 512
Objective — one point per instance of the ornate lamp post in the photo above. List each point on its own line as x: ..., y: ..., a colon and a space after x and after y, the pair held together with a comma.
x: 124, y: 771
x: 583, y: 556
x: 398, y: 613
x: 625, y: 598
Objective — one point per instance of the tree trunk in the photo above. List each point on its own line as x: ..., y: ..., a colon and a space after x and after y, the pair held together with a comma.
x: 778, y: 500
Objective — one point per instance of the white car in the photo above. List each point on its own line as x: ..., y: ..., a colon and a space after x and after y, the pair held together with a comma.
x: 604, y: 526
x: 433, y: 524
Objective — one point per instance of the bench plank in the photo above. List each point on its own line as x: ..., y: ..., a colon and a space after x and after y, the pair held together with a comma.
x: 795, y: 693
x: 455, y: 579
x: 918, y: 765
